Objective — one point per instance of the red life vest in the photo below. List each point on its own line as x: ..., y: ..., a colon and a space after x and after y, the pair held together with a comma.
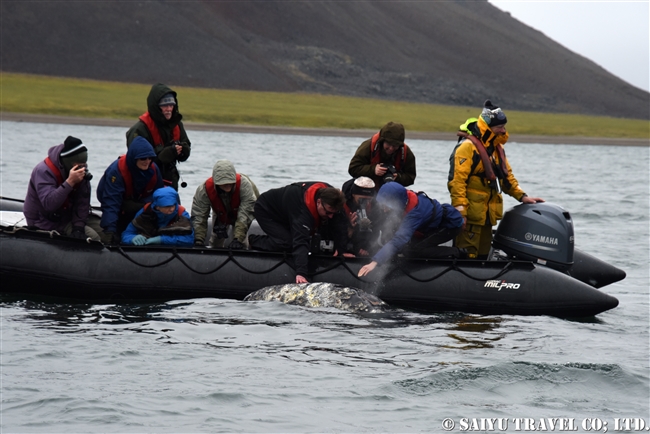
x: 310, y: 201
x: 59, y: 179
x: 128, y: 180
x: 485, y: 159
x: 412, y: 201
x: 156, y: 138
x: 225, y: 217
x: 375, y: 153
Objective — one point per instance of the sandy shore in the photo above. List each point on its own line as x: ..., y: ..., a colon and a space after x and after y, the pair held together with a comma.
x: 53, y: 119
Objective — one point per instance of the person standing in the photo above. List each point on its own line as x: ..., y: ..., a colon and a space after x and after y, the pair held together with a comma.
x: 231, y: 197
x: 58, y: 195
x: 127, y: 184
x: 478, y: 172
x: 385, y: 158
x: 290, y: 216
x: 162, y: 126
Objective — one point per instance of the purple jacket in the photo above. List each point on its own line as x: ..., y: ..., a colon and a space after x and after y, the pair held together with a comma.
x: 46, y: 206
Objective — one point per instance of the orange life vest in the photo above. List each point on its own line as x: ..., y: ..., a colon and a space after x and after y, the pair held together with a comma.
x: 128, y: 179
x: 156, y: 138
x: 310, y: 201
x: 225, y: 217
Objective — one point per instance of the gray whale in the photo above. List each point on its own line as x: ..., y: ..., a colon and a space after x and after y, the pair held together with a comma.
x: 321, y: 294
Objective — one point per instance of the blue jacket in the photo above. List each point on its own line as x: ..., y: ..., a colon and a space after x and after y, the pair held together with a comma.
x: 111, y: 188
x: 427, y: 216
x: 166, y: 196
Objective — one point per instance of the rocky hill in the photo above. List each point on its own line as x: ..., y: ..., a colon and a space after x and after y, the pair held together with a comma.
x: 446, y: 52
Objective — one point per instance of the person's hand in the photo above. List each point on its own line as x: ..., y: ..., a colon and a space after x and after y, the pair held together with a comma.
x: 236, y: 245
x: 179, y: 149
x: 348, y: 255
x: 139, y: 240
x: 367, y: 269
x: 76, y: 175
x: 154, y: 240
x: 78, y: 232
x: 528, y: 199
x: 300, y: 279
x: 363, y: 252
x: 353, y: 219
x: 380, y: 170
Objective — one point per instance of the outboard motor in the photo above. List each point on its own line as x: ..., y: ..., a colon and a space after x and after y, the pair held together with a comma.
x: 540, y: 232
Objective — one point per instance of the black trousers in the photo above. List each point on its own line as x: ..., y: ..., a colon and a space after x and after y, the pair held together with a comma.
x: 278, y: 237
x: 428, y: 247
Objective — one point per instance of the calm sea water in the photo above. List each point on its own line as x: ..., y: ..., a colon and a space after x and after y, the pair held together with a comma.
x: 210, y: 365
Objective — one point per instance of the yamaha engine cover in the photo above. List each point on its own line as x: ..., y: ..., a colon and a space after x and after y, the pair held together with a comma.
x: 539, y: 232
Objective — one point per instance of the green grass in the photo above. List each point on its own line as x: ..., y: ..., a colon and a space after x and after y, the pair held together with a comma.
x: 22, y: 93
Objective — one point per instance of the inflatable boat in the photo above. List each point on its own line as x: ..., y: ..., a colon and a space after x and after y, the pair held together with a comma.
x: 533, y: 270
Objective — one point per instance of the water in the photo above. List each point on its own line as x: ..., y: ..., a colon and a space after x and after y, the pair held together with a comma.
x: 210, y: 365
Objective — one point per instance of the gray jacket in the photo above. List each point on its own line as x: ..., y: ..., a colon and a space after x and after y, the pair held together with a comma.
x: 224, y: 172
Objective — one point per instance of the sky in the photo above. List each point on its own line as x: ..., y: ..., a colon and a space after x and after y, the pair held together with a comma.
x: 612, y: 34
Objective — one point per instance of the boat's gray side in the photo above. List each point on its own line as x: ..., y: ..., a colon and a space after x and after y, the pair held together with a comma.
x: 34, y: 263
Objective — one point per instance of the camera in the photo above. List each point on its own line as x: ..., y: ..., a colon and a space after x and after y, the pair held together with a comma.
x: 363, y: 222
x: 220, y: 230
x: 388, y: 176
x: 87, y: 175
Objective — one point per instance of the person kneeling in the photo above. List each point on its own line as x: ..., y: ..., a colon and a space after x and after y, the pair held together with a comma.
x: 424, y: 223
x: 162, y: 221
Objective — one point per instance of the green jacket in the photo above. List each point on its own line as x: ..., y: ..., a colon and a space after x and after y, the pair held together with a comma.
x: 166, y: 153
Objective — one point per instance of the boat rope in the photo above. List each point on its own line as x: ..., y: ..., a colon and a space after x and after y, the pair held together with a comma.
x: 52, y: 233
x: 176, y: 255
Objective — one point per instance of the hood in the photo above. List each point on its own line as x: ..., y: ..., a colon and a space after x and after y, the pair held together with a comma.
x: 157, y: 91
x: 54, y: 154
x: 224, y: 172
x: 165, y: 196
x: 139, y: 148
x: 393, y: 196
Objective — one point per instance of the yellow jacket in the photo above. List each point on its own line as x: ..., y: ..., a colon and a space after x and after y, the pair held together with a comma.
x: 471, y: 193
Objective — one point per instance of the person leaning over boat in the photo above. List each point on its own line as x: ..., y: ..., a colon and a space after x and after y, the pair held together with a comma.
x: 424, y: 223
x: 162, y: 126
x: 58, y: 194
x: 127, y: 184
x: 385, y: 157
x: 161, y: 221
x: 290, y: 216
x: 359, y: 194
x: 231, y: 197
x: 479, y: 171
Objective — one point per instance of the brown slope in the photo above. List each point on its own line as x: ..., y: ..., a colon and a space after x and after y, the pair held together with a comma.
x: 440, y: 52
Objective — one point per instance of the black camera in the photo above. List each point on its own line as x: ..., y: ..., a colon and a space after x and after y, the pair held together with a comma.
x: 220, y: 230
x: 388, y: 176
x: 87, y: 175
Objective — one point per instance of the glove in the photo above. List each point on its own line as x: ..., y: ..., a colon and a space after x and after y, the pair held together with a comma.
x: 139, y: 240
x: 154, y: 240
x: 78, y: 232
x: 236, y: 244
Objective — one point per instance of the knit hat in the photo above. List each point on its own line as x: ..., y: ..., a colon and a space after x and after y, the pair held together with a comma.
x: 73, y: 147
x: 363, y: 186
x: 393, y: 133
x: 492, y: 115
x: 167, y: 99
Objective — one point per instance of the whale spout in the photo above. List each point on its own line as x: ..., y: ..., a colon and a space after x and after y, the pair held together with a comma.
x: 321, y: 294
